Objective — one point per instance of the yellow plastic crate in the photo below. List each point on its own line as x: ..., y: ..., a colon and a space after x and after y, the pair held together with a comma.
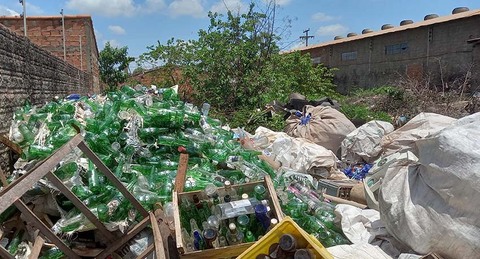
x: 286, y: 226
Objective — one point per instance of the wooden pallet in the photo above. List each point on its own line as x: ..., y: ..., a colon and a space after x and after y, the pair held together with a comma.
x: 12, y: 193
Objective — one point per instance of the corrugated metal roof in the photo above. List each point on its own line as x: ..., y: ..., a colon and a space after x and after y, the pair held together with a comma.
x: 437, y: 20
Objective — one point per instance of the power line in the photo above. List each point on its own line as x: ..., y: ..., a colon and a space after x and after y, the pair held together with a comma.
x: 286, y: 45
x: 306, y: 37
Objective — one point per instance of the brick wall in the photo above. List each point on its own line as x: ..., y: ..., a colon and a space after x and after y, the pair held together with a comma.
x: 80, y: 43
x: 28, y: 72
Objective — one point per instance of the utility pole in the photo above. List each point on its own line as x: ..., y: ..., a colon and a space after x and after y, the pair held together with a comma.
x: 306, y: 37
x: 63, y: 33
x: 81, y: 53
x: 24, y: 14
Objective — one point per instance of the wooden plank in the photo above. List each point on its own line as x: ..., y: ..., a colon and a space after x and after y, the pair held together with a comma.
x: 146, y: 252
x: 343, y: 201
x: 14, y: 147
x: 273, y: 197
x: 17, y: 188
x: 181, y: 173
x: 221, y: 252
x: 31, y: 217
x: 5, y: 254
x: 125, y: 238
x: 37, y: 247
x: 113, y: 179
x: 81, y: 206
x: 176, y: 220
x: 3, y: 179
x: 157, y: 237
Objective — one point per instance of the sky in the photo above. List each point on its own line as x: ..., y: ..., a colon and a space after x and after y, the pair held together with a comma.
x: 141, y: 23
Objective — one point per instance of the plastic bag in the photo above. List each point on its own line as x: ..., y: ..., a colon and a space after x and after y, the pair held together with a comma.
x: 363, y: 144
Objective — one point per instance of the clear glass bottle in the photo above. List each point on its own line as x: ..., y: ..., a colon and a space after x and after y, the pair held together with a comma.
x: 236, y: 208
x: 230, y: 191
x: 233, y: 236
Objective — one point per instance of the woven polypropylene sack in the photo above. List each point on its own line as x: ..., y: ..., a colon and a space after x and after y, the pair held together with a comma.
x: 327, y: 127
x: 432, y: 205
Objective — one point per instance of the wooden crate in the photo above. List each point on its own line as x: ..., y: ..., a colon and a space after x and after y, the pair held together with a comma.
x: 227, y: 251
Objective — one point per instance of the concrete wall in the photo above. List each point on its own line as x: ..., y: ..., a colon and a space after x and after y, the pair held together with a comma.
x: 46, y: 32
x: 439, y: 45
x: 28, y: 72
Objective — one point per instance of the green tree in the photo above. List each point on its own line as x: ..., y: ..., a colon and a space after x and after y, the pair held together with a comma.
x: 171, y: 56
x: 237, y: 67
x: 113, y: 64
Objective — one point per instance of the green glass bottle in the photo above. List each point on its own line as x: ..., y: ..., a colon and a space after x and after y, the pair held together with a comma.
x: 243, y: 223
x: 27, y: 133
x: 82, y: 192
x: 37, y: 152
x: 8, y: 213
x: 52, y: 253
x: 259, y: 191
x: 62, y: 136
x: 16, y: 240
x: 249, y: 237
x: 150, y: 134
x: 171, y: 141
x: 102, y: 213
x: 66, y: 171
x: 95, y: 179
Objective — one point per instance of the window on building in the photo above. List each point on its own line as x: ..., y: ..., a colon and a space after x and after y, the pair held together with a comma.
x: 317, y: 60
x: 396, y: 48
x: 349, y: 55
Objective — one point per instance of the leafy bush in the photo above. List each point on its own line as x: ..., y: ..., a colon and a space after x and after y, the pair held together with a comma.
x: 236, y: 66
x: 362, y: 112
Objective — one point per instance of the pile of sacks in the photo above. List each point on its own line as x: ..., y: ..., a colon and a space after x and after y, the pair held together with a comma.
x: 422, y: 185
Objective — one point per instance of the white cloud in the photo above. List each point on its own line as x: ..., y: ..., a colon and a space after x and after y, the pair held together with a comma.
x: 98, y: 35
x: 115, y: 29
x: 332, y: 30
x: 151, y: 6
x: 186, y: 7
x: 322, y: 17
x: 109, y: 8
x: 234, y: 6
x: 114, y: 43
x: 33, y: 9
x: 283, y: 2
x: 298, y: 45
x: 277, y: 2
x: 113, y: 8
x: 4, y: 11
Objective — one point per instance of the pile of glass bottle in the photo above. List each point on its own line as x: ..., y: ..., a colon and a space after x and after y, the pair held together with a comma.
x: 139, y: 135
x: 227, y: 216
x: 309, y: 210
